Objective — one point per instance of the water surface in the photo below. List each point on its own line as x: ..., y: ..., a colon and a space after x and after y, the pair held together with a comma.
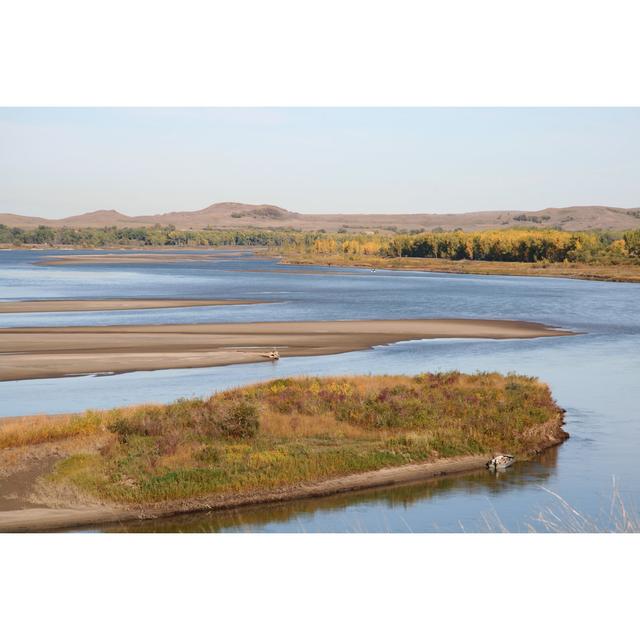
x: 595, y: 376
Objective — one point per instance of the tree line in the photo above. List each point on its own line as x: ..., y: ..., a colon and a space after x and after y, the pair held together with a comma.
x: 156, y: 236
x: 508, y: 245
x: 513, y: 245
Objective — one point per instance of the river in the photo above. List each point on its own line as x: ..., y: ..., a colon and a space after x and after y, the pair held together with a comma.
x: 595, y: 376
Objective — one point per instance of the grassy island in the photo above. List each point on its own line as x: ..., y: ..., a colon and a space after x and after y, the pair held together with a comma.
x: 262, y: 441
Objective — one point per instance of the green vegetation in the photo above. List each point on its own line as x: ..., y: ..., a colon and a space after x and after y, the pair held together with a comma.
x: 155, y: 236
x: 592, y: 255
x: 506, y: 245
x: 286, y: 432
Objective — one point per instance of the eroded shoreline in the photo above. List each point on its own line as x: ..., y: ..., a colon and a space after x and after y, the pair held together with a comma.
x: 47, y: 519
x: 38, y: 519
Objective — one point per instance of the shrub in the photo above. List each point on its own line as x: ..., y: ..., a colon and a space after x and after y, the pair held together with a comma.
x: 240, y: 420
x: 123, y: 428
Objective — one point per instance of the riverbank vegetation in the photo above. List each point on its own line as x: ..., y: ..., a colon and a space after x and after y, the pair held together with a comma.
x: 624, y: 271
x: 598, y: 255
x: 523, y: 252
x: 507, y: 245
x: 287, y: 432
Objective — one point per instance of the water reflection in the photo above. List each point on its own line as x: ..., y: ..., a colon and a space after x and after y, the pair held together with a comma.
x: 594, y: 376
x: 296, y: 513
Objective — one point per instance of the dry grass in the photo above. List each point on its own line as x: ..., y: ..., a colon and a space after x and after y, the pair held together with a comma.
x: 563, y: 517
x: 278, y: 425
x: 609, y: 272
x: 31, y: 430
x: 291, y: 431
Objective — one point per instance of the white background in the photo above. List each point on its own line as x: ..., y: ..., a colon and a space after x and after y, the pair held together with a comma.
x: 333, y: 52
x: 318, y: 53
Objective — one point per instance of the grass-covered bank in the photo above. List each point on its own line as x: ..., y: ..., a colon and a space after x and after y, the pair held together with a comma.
x: 607, y: 272
x: 285, y: 434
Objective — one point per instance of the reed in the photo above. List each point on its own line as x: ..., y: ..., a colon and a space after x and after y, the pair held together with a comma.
x: 560, y: 516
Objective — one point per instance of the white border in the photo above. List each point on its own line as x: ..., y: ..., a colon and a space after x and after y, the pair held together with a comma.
x: 319, y: 586
x: 348, y: 52
x: 324, y: 53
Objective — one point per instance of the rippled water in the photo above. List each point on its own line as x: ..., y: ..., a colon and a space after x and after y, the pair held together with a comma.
x: 595, y: 375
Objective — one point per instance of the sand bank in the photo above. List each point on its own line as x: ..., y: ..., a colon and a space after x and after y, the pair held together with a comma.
x: 146, y: 257
x: 120, y: 304
x: 59, y: 351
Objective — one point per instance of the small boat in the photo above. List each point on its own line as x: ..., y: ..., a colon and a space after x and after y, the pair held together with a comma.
x: 500, y: 462
x: 272, y: 355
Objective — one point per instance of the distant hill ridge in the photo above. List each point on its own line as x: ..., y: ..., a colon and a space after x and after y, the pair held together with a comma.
x: 233, y: 215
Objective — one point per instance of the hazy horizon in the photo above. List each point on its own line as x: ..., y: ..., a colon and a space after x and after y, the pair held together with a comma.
x: 57, y: 162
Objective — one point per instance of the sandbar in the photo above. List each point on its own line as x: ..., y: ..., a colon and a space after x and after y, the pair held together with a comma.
x: 146, y: 257
x: 28, y: 353
x: 119, y: 304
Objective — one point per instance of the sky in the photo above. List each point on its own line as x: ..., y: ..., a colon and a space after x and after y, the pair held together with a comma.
x: 56, y: 162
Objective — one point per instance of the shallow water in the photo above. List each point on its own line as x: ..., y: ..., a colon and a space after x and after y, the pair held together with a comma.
x: 595, y: 376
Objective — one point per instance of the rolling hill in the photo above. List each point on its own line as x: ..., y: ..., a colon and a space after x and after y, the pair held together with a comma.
x: 233, y: 215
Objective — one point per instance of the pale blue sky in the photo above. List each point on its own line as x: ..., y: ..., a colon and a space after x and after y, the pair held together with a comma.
x: 63, y: 161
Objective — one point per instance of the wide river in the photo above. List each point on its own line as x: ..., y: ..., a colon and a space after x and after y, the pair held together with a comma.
x: 595, y: 376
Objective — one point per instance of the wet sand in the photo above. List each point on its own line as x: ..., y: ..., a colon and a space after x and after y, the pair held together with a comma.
x: 30, y: 353
x: 121, y: 304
